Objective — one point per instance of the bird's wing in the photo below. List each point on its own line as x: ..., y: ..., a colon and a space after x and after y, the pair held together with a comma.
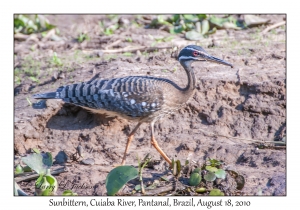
x: 131, y: 96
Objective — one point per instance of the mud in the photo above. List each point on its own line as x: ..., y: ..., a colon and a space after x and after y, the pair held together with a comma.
x: 229, y: 106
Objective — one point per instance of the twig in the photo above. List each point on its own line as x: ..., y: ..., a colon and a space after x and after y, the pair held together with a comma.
x: 273, y: 26
x: 157, y: 190
x: 134, y: 49
x: 239, y: 76
x: 141, y: 167
x: 231, y: 137
x: 113, y: 44
x: 36, y: 175
x: 21, y: 37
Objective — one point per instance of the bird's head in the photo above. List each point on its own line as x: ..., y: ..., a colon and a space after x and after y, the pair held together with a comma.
x: 196, y: 53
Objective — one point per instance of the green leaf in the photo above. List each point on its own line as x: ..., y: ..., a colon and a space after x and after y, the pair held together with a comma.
x: 69, y: 193
x: 129, y: 39
x: 161, y: 20
x: 31, y: 24
x: 217, y: 21
x: 190, y: 17
x: 214, y: 162
x: 212, y: 31
x: 198, y: 27
x: 118, y: 177
x: 177, y: 29
x: 175, y: 18
x: 46, y: 192
x: 201, y: 190
x: 253, y: 20
x: 127, y: 54
x: 19, y: 169
x: 52, y: 181
x: 49, y: 26
x: 204, y: 27
x: 178, y: 165
x: 137, y: 187
x: 42, y: 186
x: 193, y: 35
x: 229, y: 22
x: 197, y: 170
x: 34, y: 79
x: 189, y: 26
x: 216, y: 192
x: 201, y: 16
x: 39, y: 182
x: 220, y: 173
x: 210, y: 176
x: 37, y: 151
x: 27, y: 169
x: 186, y: 162
x: 230, y: 25
x: 39, y: 162
x: 195, y: 179
x: 211, y: 168
x: 46, y: 184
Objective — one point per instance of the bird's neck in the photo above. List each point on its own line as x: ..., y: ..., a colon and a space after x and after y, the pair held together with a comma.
x: 191, y: 85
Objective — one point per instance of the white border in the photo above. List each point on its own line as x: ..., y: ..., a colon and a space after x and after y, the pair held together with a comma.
x: 8, y: 8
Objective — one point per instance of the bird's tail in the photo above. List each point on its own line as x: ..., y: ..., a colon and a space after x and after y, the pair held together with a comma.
x: 45, y: 95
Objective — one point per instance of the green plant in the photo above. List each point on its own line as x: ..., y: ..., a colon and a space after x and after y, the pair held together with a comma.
x: 195, y: 178
x: 128, y: 39
x: 28, y: 24
x: 127, y: 54
x: 210, y: 170
x: 108, y: 30
x: 46, y: 184
x: 18, y: 80
x: 213, y: 170
x: 118, y: 177
x: 141, y: 167
x: 82, y: 37
x: 216, y: 192
x: 160, y: 39
x: 19, y: 169
x: 30, y: 104
x: 34, y: 79
x: 56, y: 60
x: 69, y: 193
x: 194, y: 26
x: 198, y: 26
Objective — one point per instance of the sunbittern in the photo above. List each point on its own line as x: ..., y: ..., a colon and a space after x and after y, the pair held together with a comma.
x: 138, y: 98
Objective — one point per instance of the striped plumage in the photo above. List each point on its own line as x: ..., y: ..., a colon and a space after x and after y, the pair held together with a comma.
x: 138, y: 98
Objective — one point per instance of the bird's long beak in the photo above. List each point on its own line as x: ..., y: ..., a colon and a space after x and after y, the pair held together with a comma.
x: 217, y: 60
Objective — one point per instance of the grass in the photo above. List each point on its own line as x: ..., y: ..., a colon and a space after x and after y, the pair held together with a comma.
x: 128, y: 39
x: 129, y: 54
x: 109, y: 56
x: 30, y: 69
x: 82, y: 37
x: 38, y: 69
x: 18, y: 80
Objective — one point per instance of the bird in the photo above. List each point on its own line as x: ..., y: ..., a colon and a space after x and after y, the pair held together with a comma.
x: 142, y: 99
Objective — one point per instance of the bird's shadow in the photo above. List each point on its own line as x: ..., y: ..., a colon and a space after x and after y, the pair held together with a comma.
x: 71, y: 117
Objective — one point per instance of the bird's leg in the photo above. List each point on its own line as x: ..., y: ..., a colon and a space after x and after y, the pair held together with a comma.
x: 130, y: 137
x: 154, y: 143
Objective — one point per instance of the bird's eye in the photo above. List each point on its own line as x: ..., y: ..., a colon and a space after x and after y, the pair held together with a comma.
x: 195, y: 53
